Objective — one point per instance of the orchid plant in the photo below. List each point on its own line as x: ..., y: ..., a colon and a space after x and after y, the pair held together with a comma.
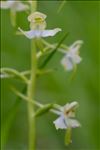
x: 66, y: 114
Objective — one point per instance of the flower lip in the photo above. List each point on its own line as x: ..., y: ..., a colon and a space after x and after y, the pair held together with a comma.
x: 40, y: 33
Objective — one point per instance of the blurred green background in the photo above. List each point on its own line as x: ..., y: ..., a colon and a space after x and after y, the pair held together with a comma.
x: 81, y: 19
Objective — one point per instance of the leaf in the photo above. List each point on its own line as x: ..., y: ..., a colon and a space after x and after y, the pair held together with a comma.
x: 6, y: 126
x: 43, y: 110
x: 68, y: 136
x: 9, y: 120
x: 54, y: 51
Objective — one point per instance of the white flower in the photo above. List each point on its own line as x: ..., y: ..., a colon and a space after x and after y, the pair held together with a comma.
x: 65, y: 120
x: 13, y: 5
x: 37, y: 27
x: 72, y: 57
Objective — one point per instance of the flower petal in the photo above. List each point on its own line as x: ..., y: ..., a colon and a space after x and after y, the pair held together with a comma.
x: 70, y: 106
x: 20, y: 6
x: 67, y: 63
x: 35, y: 15
x: 46, y: 33
x: 72, y: 123
x: 76, y: 46
x: 5, y: 4
x: 32, y: 33
x: 77, y: 59
x: 59, y: 123
x: 39, y: 33
x: 14, y: 5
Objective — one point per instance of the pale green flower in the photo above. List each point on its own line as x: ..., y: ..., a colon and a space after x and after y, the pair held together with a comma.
x: 66, y: 117
x: 13, y: 5
x: 37, y: 26
x: 72, y: 57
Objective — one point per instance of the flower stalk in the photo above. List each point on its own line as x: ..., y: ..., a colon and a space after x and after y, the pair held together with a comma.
x: 30, y: 94
x: 54, y: 110
x: 31, y: 88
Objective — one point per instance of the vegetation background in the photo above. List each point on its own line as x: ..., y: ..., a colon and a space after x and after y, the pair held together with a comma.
x: 82, y: 20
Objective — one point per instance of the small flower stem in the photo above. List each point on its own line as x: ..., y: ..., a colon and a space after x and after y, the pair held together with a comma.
x: 13, y: 18
x: 56, y: 109
x: 13, y: 72
x: 30, y: 94
x: 31, y: 88
x: 33, y: 5
x: 52, y: 47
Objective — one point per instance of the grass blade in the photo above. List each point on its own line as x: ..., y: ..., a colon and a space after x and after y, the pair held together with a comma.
x: 61, y: 6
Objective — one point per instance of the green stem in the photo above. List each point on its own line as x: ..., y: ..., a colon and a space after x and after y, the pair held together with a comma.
x: 56, y: 110
x: 51, y: 46
x: 13, y: 17
x: 13, y: 72
x: 31, y: 88
x: 30, y: 94
x: 33, y: 6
